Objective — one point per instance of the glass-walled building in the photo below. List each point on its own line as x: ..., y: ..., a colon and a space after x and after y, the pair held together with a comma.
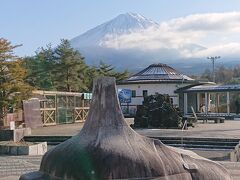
x: 211, y: 99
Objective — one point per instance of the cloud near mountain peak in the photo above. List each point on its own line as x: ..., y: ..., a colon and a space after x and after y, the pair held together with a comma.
x: 197, y: 35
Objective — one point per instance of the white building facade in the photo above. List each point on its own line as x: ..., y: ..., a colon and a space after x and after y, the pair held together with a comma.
x: 157, y: 78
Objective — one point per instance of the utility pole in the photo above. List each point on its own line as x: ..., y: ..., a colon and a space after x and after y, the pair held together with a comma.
x: 213, y: 58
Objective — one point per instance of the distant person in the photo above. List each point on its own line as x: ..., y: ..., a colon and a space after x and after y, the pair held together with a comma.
x: 202, y: 108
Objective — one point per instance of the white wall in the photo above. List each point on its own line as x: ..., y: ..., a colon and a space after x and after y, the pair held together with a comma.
x: 152, y: 89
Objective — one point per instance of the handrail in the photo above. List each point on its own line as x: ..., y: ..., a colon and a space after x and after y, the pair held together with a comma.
x: 184, y: 125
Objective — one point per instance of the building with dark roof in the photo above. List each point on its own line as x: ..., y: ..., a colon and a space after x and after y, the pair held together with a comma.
x: 156, y: 78
x: 158, y: 73
x: 186, y: 93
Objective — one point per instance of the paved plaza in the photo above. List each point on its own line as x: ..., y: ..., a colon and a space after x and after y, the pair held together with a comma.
x: 11, y: 167
x: 229, y: 129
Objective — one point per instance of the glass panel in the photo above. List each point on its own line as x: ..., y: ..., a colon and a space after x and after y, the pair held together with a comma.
x: 145, y: 93
x: 133, y: 93
x: 212, y: 108
x: 221, y: 102
x: 65, y: 109
x: 234, y: 102
x: 50, y: 103
x: 192, y: 102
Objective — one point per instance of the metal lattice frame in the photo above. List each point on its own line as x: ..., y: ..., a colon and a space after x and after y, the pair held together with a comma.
x: 80, y: 114
x: 62, y: 107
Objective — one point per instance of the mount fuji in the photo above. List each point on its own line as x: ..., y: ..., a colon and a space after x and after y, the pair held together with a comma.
x: 93, y: 45
x: 120, y: 25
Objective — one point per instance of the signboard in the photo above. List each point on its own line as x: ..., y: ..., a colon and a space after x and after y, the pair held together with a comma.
x: 87, y: 96
x: 124, y: 95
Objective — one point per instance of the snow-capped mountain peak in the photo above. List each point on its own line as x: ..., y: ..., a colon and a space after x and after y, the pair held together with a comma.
x: 122, y: 24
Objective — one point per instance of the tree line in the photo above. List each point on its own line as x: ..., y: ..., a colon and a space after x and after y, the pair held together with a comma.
x: 64, y: 69
x: 223, y: 75
x: 61, y: 68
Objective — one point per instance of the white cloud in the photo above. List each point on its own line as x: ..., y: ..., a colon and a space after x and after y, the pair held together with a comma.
x: 231, y: 50
x: 217, y: 32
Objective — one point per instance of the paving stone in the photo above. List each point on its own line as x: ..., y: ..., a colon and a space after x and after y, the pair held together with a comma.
x: 14, y: 166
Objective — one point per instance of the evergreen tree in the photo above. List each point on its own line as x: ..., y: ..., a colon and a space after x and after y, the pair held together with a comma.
x: 40, y: 69
x: 64, y: 69
x: 13, y: 89
x: 157, y: 111
x: 121, y: 75
x: 91, y: 73
x: 109, y: 70
x: 69, y: 68
x: 105, y: 70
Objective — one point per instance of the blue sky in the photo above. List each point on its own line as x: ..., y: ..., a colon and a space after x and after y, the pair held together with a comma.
x: 35, y: 23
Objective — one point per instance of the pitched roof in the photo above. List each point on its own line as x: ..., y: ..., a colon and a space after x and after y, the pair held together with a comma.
x: 158, y: 73
x: 213, y: 88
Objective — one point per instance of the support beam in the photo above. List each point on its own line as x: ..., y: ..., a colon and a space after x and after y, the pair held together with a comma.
x: 185, y: 103
x: 228, y: 103
x: 198, y: 102
x: 206, y: 103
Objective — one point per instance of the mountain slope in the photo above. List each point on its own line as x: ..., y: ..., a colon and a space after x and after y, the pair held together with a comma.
x: 172, y: 51
x: 122, y: 24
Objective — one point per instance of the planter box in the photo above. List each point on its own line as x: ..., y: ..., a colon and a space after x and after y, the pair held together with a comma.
x: 9, y: 148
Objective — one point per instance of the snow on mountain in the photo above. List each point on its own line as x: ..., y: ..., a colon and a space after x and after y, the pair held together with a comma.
x: 131, y: 41
x: 122, y: 24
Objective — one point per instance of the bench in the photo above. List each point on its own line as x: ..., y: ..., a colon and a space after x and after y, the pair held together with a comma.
x: 205, y: 119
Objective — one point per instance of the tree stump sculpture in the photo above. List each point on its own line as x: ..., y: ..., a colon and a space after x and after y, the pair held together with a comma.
x: 107, y: 148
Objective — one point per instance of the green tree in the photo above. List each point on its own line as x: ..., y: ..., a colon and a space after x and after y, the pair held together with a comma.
x: 207, y: 75
x: 40, y: 69
x: 109, y: 70
x: 13, y: 89
x: 157, y: 111
x: 223, y: 75
x: 90, y: 74
x: 63, y: 68
x: 69, y: 68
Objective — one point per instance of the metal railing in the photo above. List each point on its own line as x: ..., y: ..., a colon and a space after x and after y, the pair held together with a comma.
x: 184, y: 127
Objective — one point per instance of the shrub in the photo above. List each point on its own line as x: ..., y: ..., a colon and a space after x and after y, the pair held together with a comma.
x: 157, y: 111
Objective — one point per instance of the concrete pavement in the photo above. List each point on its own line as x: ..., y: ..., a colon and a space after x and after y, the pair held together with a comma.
x: 11, y: 167
x: 229, y: 129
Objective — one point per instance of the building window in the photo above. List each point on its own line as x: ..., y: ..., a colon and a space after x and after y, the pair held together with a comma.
x: 171, y: 101
x: 133, y: 93
x: 145, y: 93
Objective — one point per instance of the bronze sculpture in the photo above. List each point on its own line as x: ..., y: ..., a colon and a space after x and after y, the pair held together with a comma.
x: 107, y: 148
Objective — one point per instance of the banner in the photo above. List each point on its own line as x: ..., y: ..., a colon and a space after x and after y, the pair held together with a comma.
x: 124, y: 95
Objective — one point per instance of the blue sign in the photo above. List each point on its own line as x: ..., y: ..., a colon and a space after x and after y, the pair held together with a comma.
x: 124, y: 95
